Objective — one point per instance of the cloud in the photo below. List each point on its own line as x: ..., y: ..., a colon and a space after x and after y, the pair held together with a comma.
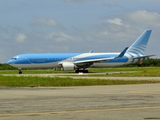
x: 111, y: 3
x: 145, y: 17
x: 128, y: 25
x: 59, y: 37
x: 43, y: 21
x: 140, y: 18
x: 20, y: 37
x: 62, y: 37
x: 79, y: 1
x: 116, y: 21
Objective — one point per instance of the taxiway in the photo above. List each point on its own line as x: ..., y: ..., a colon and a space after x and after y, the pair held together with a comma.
x: 86, y: 76
x: 122, y: 102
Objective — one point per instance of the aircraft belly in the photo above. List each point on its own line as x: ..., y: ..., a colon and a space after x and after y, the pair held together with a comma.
x: 47, y: 65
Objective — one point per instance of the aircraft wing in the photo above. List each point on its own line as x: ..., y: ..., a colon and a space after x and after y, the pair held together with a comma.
x: 102, y: 59
x: 94, y: 60
x: 144, y: 56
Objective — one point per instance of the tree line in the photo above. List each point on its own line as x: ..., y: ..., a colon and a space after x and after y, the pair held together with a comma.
x: 146, y: 63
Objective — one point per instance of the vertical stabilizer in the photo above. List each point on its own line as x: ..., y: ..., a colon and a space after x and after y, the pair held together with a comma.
x: 139, y: 46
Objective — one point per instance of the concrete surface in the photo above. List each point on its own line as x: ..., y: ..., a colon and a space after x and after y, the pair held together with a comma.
x: 119, y: 102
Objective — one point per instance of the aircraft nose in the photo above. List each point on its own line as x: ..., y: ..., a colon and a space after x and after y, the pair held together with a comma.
x: 10, y: 62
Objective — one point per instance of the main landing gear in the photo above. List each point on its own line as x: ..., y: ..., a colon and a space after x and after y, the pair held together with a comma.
x: 20, y: 70
x: 83, y: 71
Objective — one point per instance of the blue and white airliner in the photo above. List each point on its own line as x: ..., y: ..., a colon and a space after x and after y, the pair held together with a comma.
x: 81, y: 61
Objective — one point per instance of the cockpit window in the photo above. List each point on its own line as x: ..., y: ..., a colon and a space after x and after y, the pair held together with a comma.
x: 14, y: 58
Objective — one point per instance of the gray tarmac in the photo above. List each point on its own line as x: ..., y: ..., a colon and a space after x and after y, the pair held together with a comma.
x: 118, y: 102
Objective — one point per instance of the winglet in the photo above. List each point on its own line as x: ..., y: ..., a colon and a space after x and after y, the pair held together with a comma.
x: 91, y: 51
x: 122, y: 53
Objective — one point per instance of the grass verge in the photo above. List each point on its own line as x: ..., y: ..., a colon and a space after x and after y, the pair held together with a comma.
x: 140, y: 71
x: 14, y: 81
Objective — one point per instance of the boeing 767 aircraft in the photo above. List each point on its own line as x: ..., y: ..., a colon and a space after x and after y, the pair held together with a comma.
x: 80, y: 61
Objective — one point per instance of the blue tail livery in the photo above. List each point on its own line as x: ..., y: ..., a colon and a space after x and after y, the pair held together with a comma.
x: 81, y: 61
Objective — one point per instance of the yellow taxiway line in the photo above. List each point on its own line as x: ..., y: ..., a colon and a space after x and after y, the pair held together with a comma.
x: 80, y: 111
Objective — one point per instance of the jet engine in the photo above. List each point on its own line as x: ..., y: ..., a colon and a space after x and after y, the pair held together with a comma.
x: 67, y: 66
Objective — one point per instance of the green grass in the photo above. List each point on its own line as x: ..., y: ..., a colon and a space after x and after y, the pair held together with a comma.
x: 14, y: 81
x: 50, y: 71
x: 141, y: 72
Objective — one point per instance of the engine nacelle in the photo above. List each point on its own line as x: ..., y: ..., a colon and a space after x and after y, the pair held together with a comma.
x: 67, y: 65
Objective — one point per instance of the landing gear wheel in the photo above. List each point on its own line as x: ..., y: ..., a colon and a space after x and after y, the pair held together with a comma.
x: 77, y: 71
x: 83, y: 71
x: 20, y: 70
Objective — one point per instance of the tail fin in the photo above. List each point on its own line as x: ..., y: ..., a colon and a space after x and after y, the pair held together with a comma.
x: 139, y: 46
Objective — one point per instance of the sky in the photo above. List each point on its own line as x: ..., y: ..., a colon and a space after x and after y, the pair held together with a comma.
x: 61, y: 26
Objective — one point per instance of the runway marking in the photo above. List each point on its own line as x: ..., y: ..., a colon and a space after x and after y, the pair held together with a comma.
x: 79, y: 111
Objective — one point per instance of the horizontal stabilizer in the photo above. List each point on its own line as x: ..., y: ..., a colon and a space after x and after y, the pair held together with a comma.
x: 144, y: 56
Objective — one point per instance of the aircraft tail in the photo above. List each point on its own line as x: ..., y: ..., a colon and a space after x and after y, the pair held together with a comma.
x: 139, y: 46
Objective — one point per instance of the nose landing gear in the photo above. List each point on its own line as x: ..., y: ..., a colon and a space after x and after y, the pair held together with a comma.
x: 20, y: 70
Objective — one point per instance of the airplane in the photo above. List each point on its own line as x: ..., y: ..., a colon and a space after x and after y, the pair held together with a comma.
x: 81, y: 61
